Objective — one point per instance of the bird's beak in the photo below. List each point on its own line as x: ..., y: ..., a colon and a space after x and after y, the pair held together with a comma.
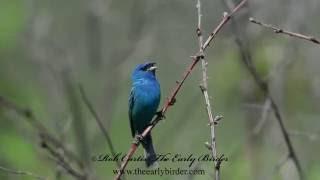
x: 152, y: 68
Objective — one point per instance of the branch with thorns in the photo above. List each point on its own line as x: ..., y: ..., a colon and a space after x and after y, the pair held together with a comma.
x: 286, y: 32
x: 204, y: 89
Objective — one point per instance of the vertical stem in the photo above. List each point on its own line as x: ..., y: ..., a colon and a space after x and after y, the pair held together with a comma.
x: 204, y: 89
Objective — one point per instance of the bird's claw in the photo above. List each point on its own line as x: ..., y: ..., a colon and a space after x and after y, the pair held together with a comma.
x: 138, y: 138
x: 160, y: 115
x: 173, y: 100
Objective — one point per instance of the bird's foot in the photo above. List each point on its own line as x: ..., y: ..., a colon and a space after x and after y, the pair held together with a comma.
x: 160, y: 115
x: 172, y: 101
x: 138, y: 138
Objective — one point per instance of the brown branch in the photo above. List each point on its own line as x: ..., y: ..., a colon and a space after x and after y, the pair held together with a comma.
x: 247, y: 61
x: 99, y: 122
x: 170, y: 101
x: 21, y: 173
x: 282, y: 31
x: 204, y: 90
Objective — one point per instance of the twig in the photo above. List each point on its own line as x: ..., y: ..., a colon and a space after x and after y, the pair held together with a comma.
x: 170, y: 101
x: 58, y: 157
x: 281, y: 162
x: 23, y: 112
x: 38, y: 126
x: 204, y: 90
x: 99, y: 122
x: 21, y: 173
x: 226, y: 18
x: 247, y: 61
x: 62, y: 136
x: 282, y: 31
x: 310, y: 136
x: 264, y: 117
x: 43, y: 132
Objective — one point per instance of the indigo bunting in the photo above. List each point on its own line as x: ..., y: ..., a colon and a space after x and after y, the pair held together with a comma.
x: 143, y: 103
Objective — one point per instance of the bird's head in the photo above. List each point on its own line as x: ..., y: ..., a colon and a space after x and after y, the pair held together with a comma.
x: 145, y: 70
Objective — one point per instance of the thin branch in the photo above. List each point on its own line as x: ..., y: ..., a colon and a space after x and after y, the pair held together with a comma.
x: 247, y: 61
x: 99, y: 122
x: 43, y: 132
x: 282, y: 31
x: 204, y: 90
x: 226, y: 18
x: 170, y: 101
x: 23, y: 112
x: 310, y: 136
x: 281, y: 162
x: 21, y: 173
x: 62, y: 136
x: 59, y: 158
x: 263, y: 118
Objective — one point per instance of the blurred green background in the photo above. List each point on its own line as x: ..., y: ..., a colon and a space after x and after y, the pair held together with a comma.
x: 47, y: 47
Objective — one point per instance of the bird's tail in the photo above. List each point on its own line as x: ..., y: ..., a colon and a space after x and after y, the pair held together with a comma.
x: 150, y: 155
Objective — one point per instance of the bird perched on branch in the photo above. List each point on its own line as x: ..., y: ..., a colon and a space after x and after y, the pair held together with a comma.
x: 143, y: 104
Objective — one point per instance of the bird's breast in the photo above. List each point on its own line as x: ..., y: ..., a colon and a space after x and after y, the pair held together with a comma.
x: 147, y: 98
x: 148, y: 95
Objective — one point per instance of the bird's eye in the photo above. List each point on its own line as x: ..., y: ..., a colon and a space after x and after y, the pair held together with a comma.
x: 145, y: 68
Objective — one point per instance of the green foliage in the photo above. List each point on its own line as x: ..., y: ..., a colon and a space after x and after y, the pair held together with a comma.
x: 31, y: 69
x: 12, y: 19
x: 17, y: 151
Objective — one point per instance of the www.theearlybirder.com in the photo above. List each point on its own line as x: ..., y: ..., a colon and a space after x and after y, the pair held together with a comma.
x: 162, y: 171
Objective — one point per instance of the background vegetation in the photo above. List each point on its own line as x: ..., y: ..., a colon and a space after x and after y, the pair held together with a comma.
x: 48, y: 47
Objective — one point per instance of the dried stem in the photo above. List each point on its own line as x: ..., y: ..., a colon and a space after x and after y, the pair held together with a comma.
x: 170, y: 101
x: 282, y: 31
x: 204, y: 90
x: 99, y: 122
x: 21, y: 173
x: 247, y: 61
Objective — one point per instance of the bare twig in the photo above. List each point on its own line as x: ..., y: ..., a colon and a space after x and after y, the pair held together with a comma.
x: 99, y: 122
x: 62, y: 137
x: 38, y: 126
x: 170, y: 101
x: 60, y: 159
x: 23, y: 112
x: 310, y: 136
x: 282, y: 31
x: 247, y: 61
x: 204, y: 90
x: 43, y: 132
x: 264, y: 117
x: 21, y: 173
x: 281, y: 162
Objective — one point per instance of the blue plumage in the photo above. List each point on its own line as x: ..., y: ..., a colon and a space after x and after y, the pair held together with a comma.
x: 143, y: 104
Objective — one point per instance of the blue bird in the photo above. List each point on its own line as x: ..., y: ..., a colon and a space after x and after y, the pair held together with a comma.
x: 143, y: 104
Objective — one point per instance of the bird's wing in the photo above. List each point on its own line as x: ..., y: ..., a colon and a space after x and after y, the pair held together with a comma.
x: 131, y: 104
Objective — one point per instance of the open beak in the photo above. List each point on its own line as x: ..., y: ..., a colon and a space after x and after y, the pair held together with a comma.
x: 152, y: 68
